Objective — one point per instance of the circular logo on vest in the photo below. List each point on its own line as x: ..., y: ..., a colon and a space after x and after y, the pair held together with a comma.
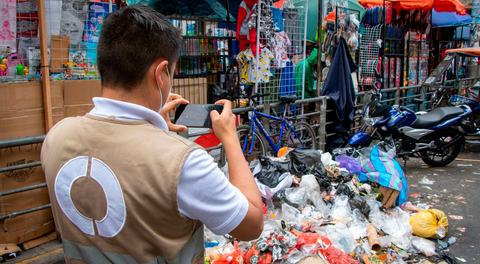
x: 116, y: 215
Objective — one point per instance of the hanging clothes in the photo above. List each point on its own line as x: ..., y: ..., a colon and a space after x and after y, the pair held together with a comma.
x: 265, y: 25
x: 244, y: 11
x: 251, y: 70
x: 310, y: 78
x: 277, y: 18
x: 280, y: 42
x: 287, y: 85
x: 339, y: 87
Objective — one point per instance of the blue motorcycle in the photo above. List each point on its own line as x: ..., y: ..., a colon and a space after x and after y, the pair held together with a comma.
x: 436, y: 137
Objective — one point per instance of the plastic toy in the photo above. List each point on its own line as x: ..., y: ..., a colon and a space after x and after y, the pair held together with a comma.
x: 25, y: 70
x: 19, y: 69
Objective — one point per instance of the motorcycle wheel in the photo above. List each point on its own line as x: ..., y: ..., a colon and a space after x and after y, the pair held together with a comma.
x: 442, y: 156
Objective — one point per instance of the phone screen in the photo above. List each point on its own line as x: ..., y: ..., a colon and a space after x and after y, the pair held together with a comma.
x: 195, y: 115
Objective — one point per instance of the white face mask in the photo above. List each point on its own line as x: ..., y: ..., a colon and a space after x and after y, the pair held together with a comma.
x: 160, y: 91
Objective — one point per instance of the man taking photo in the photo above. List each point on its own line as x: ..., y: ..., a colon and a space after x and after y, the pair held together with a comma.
x: 123, y: 187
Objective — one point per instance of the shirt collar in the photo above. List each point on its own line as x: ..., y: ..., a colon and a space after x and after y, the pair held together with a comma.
x: 105, y: 107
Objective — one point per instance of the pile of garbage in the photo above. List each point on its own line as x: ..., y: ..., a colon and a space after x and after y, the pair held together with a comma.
x: 320, y: 208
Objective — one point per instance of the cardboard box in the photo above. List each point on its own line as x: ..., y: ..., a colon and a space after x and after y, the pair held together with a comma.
x: 22, y: 123
x: 81, y: 92
x: 389, y: 196
x: 59, y: 49
x: 28, y: 226
x: 20, y: 96
x: 41, y: 240
x: 77, y: 110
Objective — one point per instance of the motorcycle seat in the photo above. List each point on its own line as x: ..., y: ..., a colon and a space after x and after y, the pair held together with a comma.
x: 436, y: 116
x: 288, y: 99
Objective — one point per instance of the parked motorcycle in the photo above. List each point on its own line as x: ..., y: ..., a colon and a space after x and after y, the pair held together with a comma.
x: 434, y: 137
x: 442, y: 97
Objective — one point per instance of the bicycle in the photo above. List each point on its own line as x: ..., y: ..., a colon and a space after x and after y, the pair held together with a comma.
x: 299, y: 136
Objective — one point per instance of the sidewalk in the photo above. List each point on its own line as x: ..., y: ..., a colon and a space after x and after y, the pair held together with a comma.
x: 50, y: 252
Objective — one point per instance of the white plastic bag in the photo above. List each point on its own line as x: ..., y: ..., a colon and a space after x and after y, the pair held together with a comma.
x: 267, y: 192
x: 423, y: 245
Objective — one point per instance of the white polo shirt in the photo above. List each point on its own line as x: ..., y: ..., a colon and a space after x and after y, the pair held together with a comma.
x: 204, y: 193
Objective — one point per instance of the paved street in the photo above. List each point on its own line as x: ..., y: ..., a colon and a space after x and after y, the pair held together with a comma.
x: 456, y: 191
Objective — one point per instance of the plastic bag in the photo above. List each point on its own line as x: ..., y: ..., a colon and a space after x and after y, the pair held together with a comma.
x: 358, y: 202
x: 290, y: 214
x: 343, y: 189
x: 320, y: 205
x: 359, y: 225
x: 296, y: 197
x: 423, y: 245
x: 341, y: 211
x: 268, y: 192
x: 335, y: 255
x: 341, y: 237
x: 294, y: 256
x: 272, y: 172
x: 312, y: 239
x: 310, y: 182
x: 349, y: 163
x: 430, y: 223
x: 327, y: 160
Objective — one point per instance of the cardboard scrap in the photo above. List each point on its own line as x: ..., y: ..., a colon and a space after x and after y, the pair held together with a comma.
x: 8, y: 248
x: 389, y: 196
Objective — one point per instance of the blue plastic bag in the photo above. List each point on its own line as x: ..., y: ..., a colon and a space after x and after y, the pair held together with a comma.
x: 349, y: 163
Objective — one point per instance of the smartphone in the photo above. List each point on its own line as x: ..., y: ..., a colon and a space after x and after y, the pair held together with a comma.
x: 195, y: 115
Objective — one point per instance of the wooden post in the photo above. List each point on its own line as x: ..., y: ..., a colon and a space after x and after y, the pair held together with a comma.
x: 47, y: 98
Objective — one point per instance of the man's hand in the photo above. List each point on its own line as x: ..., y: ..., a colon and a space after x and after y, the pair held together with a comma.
x: 171, y: 104
x: 224, y: 124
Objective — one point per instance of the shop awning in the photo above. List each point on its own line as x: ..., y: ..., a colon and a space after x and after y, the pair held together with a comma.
x: 474, y: 52
x: 439, y: 5
x: 449, y: 19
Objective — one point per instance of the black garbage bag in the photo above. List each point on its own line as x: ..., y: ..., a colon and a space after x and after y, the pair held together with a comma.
x: 319, y: 171
x: 215, y: 92
x: 325, y: 184
x: 360, y: 203
x: 444, y: 256
x: 272, y: 171
x: 303, y: 160
x: 345, y: 176
x: 343, y: 189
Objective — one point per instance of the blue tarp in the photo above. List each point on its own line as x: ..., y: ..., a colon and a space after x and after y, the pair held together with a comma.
x: 385, y: 171
x: 449, y: 19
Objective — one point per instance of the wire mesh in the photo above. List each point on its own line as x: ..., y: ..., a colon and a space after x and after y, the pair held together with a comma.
x: 369, y: 51
x: 277, y: 68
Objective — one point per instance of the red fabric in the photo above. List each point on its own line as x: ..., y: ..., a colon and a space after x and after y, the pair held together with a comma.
x: 439, y: 5
x: 207, y: 141
x: 388, y: 15
x: 242, y: 15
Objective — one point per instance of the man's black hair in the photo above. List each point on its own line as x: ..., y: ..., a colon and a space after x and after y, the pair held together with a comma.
x: 131, y: 40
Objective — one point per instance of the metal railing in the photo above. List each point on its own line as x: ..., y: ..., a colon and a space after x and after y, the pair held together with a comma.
x: 10, y: 143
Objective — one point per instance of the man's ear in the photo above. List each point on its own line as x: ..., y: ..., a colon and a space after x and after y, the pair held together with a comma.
x: 158, y: 72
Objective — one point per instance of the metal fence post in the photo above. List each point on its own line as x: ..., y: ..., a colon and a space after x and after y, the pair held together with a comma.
x: 321, y: 130
x: 265, y: 121
x: 397, y: 96
x: 422, y: 97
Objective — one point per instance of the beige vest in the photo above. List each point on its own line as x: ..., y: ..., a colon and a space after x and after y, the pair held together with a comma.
x: 113, y: 190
